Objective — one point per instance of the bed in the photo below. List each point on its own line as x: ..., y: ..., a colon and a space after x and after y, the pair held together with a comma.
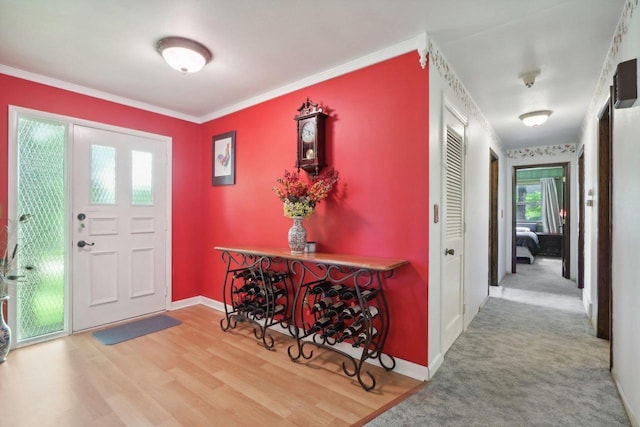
x: 527, y: 243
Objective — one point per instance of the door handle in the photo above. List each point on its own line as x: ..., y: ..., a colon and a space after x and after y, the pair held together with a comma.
x: 449, y: 252
x: 82, y: 244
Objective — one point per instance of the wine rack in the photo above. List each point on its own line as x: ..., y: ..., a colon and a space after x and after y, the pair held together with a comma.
x: 337, y: 309
x: 255, y: 293
x: 338, y: 303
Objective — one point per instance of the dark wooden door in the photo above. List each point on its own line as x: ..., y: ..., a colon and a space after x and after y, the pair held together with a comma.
x: 581, y: 206
x: 603, y: 327
x: 566, y: 227
x: 493, y: 218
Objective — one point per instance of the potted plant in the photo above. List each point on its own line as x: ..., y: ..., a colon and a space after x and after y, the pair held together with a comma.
x: 299, y: 199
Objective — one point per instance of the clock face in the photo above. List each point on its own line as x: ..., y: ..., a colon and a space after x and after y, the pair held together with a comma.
x: 308, y: 132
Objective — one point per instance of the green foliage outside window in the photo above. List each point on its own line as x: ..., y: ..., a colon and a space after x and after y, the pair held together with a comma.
x: 533, y: 209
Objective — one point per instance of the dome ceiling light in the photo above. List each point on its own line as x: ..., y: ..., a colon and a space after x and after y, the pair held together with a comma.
x: 535, y: 118
x: 185, y: 55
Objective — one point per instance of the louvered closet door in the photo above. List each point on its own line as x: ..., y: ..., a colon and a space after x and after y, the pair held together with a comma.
x: 453, y: 230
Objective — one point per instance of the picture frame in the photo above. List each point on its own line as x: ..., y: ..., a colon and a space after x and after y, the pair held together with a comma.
x: 223, y: 159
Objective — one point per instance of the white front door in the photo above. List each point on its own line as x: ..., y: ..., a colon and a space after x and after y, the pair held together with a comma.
x: 452, y: 308
x: 118, y: 226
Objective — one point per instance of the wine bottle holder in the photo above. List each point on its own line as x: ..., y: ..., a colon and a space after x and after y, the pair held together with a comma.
x: 354, y: 303
x: 334, y: 307
x: 255, y: 293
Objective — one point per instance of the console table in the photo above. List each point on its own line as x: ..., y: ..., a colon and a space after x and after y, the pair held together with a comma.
x: 324, y: 300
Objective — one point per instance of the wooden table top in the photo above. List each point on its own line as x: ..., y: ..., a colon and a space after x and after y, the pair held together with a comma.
x: 355, y: 261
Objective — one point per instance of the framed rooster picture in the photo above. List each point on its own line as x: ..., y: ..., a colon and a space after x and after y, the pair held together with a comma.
x: 224, y: 159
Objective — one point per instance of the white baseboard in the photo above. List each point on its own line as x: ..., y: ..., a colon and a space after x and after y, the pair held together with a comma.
x: 588, y: 306
x: 625, y: 401
x: 184, y: 303
x: 404, y: 367
x: 216, y: 305
x: 483, y: 302
x: 468, y: 317
x: 434, y: 365
x: 412, y: 370
x: 199, y: 300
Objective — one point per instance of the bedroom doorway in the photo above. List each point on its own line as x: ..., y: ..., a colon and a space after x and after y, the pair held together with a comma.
x: 541, y: 214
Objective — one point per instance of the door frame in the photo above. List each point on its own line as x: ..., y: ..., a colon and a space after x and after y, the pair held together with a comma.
x: 494, y: 171
x: 581, y: 212
x: 604, y: 325
x: 566, y: 205
x: 69, y: 121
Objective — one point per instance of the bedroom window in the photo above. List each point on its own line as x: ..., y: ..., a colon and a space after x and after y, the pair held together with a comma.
x: 529, y: 202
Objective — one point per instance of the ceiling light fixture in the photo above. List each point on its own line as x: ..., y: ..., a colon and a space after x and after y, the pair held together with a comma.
x: 183, y: 54
x: 535, y: 118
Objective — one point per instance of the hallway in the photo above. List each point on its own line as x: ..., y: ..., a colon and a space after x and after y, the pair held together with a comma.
x: 529, y: 358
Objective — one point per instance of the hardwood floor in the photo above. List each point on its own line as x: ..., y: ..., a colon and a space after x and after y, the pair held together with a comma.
x: 189, y: 375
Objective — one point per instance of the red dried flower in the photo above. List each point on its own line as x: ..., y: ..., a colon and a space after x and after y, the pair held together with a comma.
x: 293, y: 189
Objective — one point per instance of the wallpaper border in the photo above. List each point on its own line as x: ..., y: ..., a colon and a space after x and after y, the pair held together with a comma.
x: 548, y: 150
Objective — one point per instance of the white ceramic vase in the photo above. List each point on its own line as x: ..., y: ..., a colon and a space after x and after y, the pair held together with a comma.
x: 5, y: 332
x: 297, y: 236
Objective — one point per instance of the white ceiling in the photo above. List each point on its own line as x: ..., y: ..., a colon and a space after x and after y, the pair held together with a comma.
x: 260, y: 46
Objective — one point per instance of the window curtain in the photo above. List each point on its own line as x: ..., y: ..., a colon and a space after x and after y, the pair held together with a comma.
x: 551, y: 221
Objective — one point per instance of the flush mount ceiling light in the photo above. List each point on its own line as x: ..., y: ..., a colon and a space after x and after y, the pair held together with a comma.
x: 183, y: 54
x: 535, y: 118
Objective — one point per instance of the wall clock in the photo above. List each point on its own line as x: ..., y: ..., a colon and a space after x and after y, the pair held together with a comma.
x: 311, y: 137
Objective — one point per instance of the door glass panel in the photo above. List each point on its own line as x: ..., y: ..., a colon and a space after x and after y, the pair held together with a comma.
x: 141, y: 178
x: 41, y: 240
x: 103, y: 175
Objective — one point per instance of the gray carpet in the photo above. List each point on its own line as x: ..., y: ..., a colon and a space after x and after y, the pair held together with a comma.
x: 530, y: 358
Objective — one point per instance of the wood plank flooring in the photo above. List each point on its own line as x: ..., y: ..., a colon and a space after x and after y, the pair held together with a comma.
x: 189, y: 375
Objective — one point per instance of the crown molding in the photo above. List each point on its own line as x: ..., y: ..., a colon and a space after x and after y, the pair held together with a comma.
x: 419, y: 43
x: 83, y: 90
x: 423, y: 49
x: 416, y: 43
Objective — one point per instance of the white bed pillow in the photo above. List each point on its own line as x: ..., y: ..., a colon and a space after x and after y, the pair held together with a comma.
x: 521, y: 229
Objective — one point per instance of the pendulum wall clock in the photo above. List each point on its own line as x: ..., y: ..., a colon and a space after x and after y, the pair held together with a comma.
x: 311, y: 137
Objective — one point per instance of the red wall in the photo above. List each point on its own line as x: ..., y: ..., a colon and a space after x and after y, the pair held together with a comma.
x: 186, y: 162
x: 377, y: 137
